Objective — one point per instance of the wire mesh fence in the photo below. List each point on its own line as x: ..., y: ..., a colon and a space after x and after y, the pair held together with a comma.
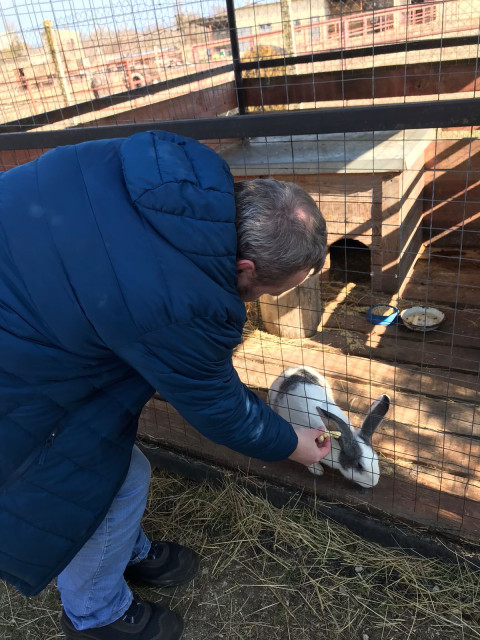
x: 402, y: 203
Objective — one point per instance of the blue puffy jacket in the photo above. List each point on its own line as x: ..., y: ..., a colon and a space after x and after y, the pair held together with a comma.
x: 117, y: 277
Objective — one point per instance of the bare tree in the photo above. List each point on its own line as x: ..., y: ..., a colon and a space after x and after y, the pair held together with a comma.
x: 14, y: 44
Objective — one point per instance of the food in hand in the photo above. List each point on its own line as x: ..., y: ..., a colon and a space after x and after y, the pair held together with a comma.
x: 324, y: 434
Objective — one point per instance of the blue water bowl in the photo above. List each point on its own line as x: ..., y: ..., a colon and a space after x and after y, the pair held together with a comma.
x: 382, y: 314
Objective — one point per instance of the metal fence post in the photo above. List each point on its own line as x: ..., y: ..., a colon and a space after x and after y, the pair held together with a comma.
x: 237, y: 71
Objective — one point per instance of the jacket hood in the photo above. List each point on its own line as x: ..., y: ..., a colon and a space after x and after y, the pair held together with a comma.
x: 184, y: 191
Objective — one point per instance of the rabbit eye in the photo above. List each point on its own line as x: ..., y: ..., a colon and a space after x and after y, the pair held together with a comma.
x: 359, y: 467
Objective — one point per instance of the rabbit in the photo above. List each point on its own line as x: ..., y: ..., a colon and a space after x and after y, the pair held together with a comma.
x: 304, y: 398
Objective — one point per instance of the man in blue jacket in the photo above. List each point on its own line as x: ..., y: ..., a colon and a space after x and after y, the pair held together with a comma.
x: 124, y: 268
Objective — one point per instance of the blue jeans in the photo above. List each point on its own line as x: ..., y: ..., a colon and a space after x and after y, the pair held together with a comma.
x: 92, y: 587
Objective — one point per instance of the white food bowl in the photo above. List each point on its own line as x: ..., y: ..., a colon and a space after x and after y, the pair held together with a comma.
x: 422, y: 318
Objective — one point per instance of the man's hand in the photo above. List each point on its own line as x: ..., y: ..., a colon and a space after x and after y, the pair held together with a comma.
x: 308, y: 451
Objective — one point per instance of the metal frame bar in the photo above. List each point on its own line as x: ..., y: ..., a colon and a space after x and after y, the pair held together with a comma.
x: 412, y: 115
x: 237, y: 65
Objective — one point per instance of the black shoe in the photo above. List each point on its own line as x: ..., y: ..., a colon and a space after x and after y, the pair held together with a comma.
x: 142, y: 621
x: 167, y: 565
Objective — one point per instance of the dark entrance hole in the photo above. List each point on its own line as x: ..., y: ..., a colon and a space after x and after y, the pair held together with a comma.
x: 349, y: 261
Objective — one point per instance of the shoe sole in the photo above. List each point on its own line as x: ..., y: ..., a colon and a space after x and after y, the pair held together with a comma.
x: 93, y: 634
x: 162, y: 583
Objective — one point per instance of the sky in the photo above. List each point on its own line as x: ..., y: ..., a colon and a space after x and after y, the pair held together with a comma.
x: 27, y: 16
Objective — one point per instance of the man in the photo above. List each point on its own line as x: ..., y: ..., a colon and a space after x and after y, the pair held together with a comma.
x: 124, y: 267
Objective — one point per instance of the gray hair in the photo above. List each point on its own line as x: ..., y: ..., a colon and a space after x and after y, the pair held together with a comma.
x: 279, y: 228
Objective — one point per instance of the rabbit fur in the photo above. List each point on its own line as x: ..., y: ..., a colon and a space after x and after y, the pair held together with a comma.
x: 304, y: 398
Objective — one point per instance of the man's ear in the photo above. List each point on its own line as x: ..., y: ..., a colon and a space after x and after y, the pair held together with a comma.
x: 246, y: 275
x: 246, y: 268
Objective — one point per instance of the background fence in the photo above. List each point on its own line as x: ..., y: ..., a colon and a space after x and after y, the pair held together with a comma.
x: 373, y: 109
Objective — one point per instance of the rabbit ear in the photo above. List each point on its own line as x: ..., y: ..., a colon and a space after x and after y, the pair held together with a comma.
x: 375, y: 416
x: 347, y: 439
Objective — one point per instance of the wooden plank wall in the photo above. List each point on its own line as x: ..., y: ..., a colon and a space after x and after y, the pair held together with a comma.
x: 203, y: 103
x: 395, y: 81
x: 452, y: 192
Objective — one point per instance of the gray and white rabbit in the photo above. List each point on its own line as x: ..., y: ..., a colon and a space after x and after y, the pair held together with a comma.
x: 304, y: 398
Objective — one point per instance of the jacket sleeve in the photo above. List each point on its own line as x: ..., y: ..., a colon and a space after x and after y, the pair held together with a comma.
x: 191, y: 367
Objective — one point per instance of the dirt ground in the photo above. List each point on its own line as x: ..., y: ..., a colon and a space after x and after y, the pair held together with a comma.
x: 279, y: 574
